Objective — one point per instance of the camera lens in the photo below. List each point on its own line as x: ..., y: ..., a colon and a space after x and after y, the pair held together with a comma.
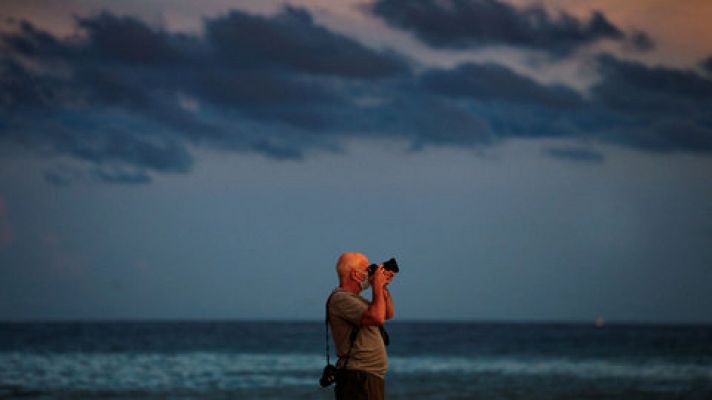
x: 391, y: 265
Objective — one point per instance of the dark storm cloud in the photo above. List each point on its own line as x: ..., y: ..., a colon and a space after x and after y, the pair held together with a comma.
x: 635, y: 87
x: 654, y: 108
x: 127, y: 40
x: 495, y: 82
x: 124, y: 93
x: 509, y: 104
x: 474, y: 23
x: 292, y: 40
x: 33, y: 42
x: 642, y: 41
x: 128, y: 99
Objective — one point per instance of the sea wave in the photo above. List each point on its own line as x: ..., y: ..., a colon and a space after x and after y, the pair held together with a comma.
x: 224, y: 371
x: 579, y: 368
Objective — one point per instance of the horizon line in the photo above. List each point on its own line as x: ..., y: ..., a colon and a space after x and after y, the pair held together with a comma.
x: 591, y: 322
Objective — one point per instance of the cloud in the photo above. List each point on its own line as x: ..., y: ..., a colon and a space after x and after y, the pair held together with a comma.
x: 117, y: 94
x: 496, y: 82
x: 635, y: 87
x: 427, y: 120
x: 291, y: 40
x: 656, y: 108
x: 641, y: 41
x: 462, y: 24
x: 579, y: 154
x: 127, y: 40
x: 129, y: 100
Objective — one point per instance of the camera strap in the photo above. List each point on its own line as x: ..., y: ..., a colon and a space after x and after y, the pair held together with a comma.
x: 384, y: 335
x: 352, y: 337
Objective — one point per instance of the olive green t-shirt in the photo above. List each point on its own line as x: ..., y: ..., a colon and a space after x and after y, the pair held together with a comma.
x: 368, y: 352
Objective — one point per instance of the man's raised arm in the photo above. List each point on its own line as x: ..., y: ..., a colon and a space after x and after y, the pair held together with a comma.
x: 389, y: 303
x: 375, y: 314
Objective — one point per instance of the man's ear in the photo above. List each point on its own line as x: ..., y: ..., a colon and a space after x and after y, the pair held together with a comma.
x: 354, y: 275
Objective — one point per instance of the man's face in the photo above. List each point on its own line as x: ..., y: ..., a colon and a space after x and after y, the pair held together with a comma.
x: 360, y: 270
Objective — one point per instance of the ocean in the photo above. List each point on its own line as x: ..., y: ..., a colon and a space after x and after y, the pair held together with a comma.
x: 283, y: 360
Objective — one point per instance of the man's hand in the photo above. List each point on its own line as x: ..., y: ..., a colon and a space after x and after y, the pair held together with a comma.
x: 389, y: 277
x: 387, y: 295
x: 375, y: 314
x: 380, y: 277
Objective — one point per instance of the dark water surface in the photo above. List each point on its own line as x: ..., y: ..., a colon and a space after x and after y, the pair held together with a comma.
x: 283, y: 360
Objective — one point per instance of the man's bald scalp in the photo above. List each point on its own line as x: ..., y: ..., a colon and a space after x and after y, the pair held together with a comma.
x: 347, y: 261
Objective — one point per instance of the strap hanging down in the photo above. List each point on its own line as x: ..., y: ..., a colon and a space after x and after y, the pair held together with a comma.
x: 326, y: 332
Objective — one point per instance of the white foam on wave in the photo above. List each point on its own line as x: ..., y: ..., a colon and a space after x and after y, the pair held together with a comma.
x: 155, y: 371
x: 582, y: 368
x: 209, y: 370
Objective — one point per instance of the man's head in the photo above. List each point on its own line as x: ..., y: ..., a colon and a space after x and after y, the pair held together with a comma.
x: 352, y: 269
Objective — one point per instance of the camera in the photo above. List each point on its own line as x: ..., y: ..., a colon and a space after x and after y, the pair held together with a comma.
x: 390, y: 265
x: 328, y: 376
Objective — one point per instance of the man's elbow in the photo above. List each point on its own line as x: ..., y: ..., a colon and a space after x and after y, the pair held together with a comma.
x: 372, y: 320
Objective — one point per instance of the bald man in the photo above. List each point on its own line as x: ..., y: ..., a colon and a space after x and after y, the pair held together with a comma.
x: 363, y: 364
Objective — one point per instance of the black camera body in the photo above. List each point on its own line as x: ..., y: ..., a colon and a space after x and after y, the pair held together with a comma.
x: 328, y: 376
x: 390, y: 265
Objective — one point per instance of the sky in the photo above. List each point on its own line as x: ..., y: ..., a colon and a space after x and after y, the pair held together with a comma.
x: 526, y: 161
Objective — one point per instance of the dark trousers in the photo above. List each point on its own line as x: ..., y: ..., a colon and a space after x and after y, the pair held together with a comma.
x: 358, y: 385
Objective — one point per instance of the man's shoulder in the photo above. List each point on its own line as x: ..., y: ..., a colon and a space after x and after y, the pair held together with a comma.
x: 342, y: 296
x: 339, y: 293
